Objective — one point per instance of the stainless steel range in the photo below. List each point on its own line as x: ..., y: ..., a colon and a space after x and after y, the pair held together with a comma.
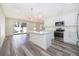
x: 59, y: 32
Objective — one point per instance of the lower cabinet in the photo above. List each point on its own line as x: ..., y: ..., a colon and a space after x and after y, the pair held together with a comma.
x: 70, y: 37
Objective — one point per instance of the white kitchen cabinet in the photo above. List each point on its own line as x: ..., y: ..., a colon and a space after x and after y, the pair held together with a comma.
x: 70, y: 19
x: 70, y: 33
x: 42, y: 39
x: 70, y: 37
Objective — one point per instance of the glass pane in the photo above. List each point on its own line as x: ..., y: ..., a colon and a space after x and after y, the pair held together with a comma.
x: 20, y: 27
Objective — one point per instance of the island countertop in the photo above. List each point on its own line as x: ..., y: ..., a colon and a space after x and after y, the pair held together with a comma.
x: 40, y: 32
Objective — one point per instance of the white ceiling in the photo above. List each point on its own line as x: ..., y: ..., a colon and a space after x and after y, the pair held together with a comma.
x: 23, y: 10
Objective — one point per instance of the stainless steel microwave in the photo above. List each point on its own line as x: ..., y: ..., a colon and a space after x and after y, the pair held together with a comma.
x: 61, y: 23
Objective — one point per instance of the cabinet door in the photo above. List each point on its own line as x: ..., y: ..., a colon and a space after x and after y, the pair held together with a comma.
x: 70, y: 37
x: 70, y: 19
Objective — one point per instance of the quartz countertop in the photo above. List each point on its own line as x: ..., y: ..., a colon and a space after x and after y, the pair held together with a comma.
x: 40, y: 32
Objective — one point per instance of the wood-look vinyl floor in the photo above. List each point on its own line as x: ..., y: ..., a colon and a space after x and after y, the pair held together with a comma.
x: 19, y: 45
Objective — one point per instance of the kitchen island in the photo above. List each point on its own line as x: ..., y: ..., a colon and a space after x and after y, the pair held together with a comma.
x: 42, y: 39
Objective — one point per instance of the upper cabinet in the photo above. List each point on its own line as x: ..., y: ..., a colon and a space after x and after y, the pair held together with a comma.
x: 70, y: 19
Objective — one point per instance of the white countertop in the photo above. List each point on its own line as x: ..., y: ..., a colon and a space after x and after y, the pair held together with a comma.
x: 41, y: 32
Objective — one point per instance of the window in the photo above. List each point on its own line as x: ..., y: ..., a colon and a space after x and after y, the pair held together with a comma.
x: 20, y: 27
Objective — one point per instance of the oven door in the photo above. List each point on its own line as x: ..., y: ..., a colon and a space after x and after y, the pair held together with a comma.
x: 58, y: 34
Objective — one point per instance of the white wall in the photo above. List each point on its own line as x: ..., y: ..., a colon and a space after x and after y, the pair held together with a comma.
x: 2, y: 27
x: 8, y: 27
